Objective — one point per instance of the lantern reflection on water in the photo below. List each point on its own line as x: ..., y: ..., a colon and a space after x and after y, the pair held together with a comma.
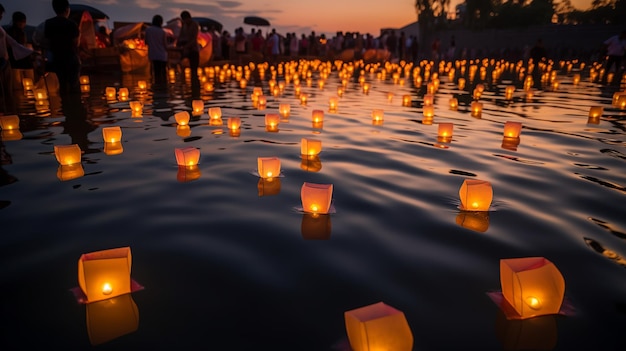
x: 188, y: 173
x: 111, y: 318
x: 539, y: 333
x: 378, y: 327
x: 105, y: 274
x: 531, y: 286
x: 315, y: 226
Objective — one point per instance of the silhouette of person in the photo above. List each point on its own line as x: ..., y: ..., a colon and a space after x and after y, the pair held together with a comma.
x: 63, y: 35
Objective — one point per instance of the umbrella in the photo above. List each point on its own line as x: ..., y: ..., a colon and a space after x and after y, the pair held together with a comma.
x: 76, y: 11
x: 256, y: 21
x: 206, y: 23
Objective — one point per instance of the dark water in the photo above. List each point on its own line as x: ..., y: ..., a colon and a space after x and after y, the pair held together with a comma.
x: 229, y: 265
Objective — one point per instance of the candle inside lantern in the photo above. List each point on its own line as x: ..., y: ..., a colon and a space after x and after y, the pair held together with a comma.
x: 310, y: 147
x: 142, y: 85
x: 136, y: 108
x: 105, y: 274
x: 378, y: 115
x: 284, y: 110
x: 112, y: 134
x: 476, y: 109
x: 123, y: 94
x: 461, y: 83
x: 197, y: 106
x: 27, y: 83
x: 187, y: 156
x: 303, y: 99
x: 512, y: 129
x: 9, y: 122
x: 429, y: 99
x: 110, y: 93
x: 272, y: 120
x: 429, y: 111
x: 41, y: 94
x: 84, y: 79
x: 406, y: 100
x: 268, y: 167
x: 378, y: 327
x: 476, y: 195
x: 454, y: 103
x: 234, y: 123
x: 317, y: 116
x: 67, y: 154
x: 182, y: 118
x: 333, y: 102
x: 444, y: 131
x: 215, y: 112
x: 261, y: 101
x: 316, y: 198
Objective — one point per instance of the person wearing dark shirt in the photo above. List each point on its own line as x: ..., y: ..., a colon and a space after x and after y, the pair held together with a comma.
x: 16, y: 31
x: 62, y: 35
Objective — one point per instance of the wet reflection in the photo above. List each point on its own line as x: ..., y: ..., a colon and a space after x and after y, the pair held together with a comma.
x: 113, y: 148
x: 69, y: 172
x: 5, y: 159
x: 76, y: 124
x: 538, y: 333
x: 268, y: 186
x: 315, y: 226
x: 610, y: 254
x: 188, y: 173
x: 510, y: 143
x: 311, y: 163
x: 109, y: 319
x: 474, y: 220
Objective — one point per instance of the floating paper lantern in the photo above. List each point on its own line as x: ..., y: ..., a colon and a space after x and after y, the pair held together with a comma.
x: 461, y: 83
x: 532, y: 286
x: 40, y: 94
x: 67, y: 154
x: 208, y: 87
x: 512, y: 129
x: 303, y: 99
x: 27, y: 83
x: 333, y: 102
x: 136, y: 108
x: 112, y: 134
x: 340, y: 91
x: 406, y: 100
x: 429, y: 99
x: 182, y: 118
x: 389, y: 96
x: 110, y: 93
x: 123, y: 94
x: 85, y: 88
x: 258, y: 91
x: 271, y: 121
x: 188, y: 173
x: 616, y: 97
x: 105, y: 274
x: 84, y: 79
x: 366, y: 88
x: 444, y: 131
x: 243, y: 83
x: 596, y: 111
x: 197, y: 107
x: 476, y: 195
x: 310, y: 147
x: 268, y: 186
x: 576, y: 79
x: 187, y: 156
x: 476, y: 109
x: 109, y: 319
x: 284, y: 110
x: 315, y: 227
x: 429, y: 111
x: 378, y: 327
x: 454, y: 104
x: 316, y: 198
x: 317, y: 115
x: 215, y: 112
x: 69, y: 172
x: 234, y: 123
x: 261, y: 101
x: 268, y: 167
x: 621, y: 102
x: 10, y: 122
x: 378, y: 115
x: 142, y: 85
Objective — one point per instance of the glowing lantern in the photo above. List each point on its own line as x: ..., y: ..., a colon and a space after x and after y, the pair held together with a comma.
x: 317, y: 116
x: 378, y: 115
x: 366, y: 88
x: 596, y: 111
x: 188, y: 156
x: 476, y: 195
x: 621, y: 101
x: 243, y: 83
x: 444, y: 131
x: 27, y: 83
x: 261, y: 101
x: 310, y: 147
x: 532, y: 286
x: 406, y: 100
x: 10, y: 122
x: 268, y: 186
x: 576, y: 79
x: 616, y: 97
x: 333, y: 102
x: 215, y: 112
x: 84, y: 79
x: 389, y: 96
x: 429, y: 99
x: 123, y: 94
x: 429, y: 111
x: 512, y: 129
x: 315, y: 227
x: 110, y: 93
x: 109, y: 319
x: 284, y: 110
x: 208, y: 87
x: 105, y: 274
x: 378, y: 327
x: 303, y: 99
x: 234, y: 123
x: 476, y: 109
x: 85, y: 88
x: 67, y: 154
x: 41, y: 94
x: 454, y: 104
x: 340, y: 91
x: 271, y: 121
x: 197, y: 107
x: 316, y: 198
x: 112, y: 134
x: 69, y: 172
x: 136, y: 108
x: 268, y: 167
x: 142, y: 85
x: 461, y: 83
x: 182, y: 118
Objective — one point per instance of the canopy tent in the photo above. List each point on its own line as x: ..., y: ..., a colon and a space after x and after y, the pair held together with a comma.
x: 256, y: 21
x: 76, y: 12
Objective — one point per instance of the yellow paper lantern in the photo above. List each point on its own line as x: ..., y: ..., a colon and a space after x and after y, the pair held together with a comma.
x: 136, y: 108
x: 333, y: 102
x: 532, y: 286
x: 512, y: 129
x: 142, y: 85
x: 476, y: 195
x: 454, y: 104
x: 197, y: 107
x: 461, y: 83
x: 188, y: 173
x: 576, y: 79
x: 284, y: 110
x: 315, y: 227
x: 84, y: 79
x: 378, y: 115
x: 268, y: 167
x: 429, y: 111
x: 316, y: 198
x: 182, y: 118
x: 310, y: 147
x: 208, y: 87
x: 27, y: 83
x: 476, y: 109
x: 378, y: 327
x: 123, y: 94
x: 40, y: 94
x: 105, y: 274
x: 187, y: 156
x: 272, y: 120
x: 317, y: 115
x: 9, y: 122
x: 303, y: 99
x: 109, y: 319
x: 340, y: 91
x: 268, y: 186
x: 113, y: 148
x: 69, y: 172
x: 215, y: 112
x: 110, y: 93
x: 85, y: 88
x: 112, y: 134
x: 596, y: 111
x: 67, y: 154
x: 234, y: 123
x: 444, y: 131
x: 429, y: 99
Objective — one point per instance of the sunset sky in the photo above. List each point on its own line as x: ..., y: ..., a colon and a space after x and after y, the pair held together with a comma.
x: 299, y: 16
